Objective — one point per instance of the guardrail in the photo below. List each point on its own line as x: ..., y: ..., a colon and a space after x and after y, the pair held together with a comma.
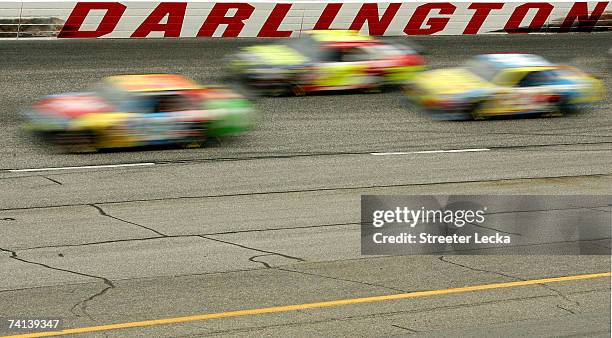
x: 201, y: 18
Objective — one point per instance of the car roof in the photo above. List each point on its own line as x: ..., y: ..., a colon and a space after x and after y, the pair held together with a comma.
x: 333, y: 35
x: 152, y: 82
x: 515, y: 60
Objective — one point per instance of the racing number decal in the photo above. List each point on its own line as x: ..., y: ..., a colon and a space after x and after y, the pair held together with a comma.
x: 504, y: 102
x: 537, y: 100
x: 158, y: 128
x: 525, y: 100
x: 164, y: 127
x: 153, y: 128
x: 342, y: 74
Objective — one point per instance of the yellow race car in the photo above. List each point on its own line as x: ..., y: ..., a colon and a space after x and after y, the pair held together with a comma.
x: 503, y: 84
x: 325, y: 60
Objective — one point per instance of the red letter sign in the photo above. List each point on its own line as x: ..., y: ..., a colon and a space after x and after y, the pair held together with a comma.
x: 580, y: 11
x: 71, y: 29
x: 435, y: 24
x: 234, y: 23
x: 514, y: 23
x: 328, y: 16
x: 270, y: 27
x: 482, y: 12
x: 172, y: 28
x: 369, y: 13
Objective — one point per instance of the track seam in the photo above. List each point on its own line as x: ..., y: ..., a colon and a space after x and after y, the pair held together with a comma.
x: 278, y: 192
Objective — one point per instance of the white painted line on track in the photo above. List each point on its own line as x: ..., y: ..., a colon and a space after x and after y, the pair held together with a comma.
x: 83, y: 167
x: 151, y: 163
x: 432, y: 151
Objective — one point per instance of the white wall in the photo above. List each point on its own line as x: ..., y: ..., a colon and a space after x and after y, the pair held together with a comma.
x: 46, y: 18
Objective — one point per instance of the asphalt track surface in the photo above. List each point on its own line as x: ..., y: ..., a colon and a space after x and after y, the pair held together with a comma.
x: 272, y: 218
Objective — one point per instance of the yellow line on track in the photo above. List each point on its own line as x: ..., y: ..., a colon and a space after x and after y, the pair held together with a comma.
x: 295, y: 307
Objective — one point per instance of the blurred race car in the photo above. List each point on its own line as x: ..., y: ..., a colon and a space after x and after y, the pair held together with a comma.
x: 503, y: 84
x: 139, y: 110
x: 325, y: 60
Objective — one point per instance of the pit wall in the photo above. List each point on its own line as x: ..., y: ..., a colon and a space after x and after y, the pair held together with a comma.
x: 199, y: 18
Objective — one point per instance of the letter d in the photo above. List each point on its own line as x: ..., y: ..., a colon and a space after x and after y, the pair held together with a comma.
x: 71, y: 29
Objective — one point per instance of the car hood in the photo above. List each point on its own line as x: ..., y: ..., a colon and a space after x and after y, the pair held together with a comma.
x: 273, y: 55
x: 72, y: 105
x: 451, y: 82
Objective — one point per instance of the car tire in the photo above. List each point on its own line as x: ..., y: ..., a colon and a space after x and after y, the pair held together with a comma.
x: 376, y: 85
x: 474, y: 112
x: 560, y: 109
x: 297, y: 90
x: 277, y: 91
x: 565, y: 108
x: 199, y: 138
x: 557, y: 112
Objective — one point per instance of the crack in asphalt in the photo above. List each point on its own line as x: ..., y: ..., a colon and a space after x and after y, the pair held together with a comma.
x: 84, y: 303
x: 81, y: 304
x: 342, y: 279
x: 52, y: 180
x: 559, y: 293
x: 602, y: 245
x: 100, y: 242
x: 490, y: 228
x: 567, y: 310
x: 546, y: 210
x: 254, y: 249
x: 104, y: 213
x: 602, y: 210
x: 405, y: 328
x: 252, y: 259
x: 185, y: 236
x: 280, y: 228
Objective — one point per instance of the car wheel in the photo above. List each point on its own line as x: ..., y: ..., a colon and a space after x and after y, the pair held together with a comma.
x: 77, y: 142
x: 375, y: 84
x: 297, y: 90
x: 557, y: 111
x: 277, y: 91
x: 475, y: 111
x: 563, y: 107
x: 198, y: 136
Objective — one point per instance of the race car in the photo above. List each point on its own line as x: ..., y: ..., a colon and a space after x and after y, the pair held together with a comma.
x: 503, y: 84
x: 324, y: 60
x: 139, y: 110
